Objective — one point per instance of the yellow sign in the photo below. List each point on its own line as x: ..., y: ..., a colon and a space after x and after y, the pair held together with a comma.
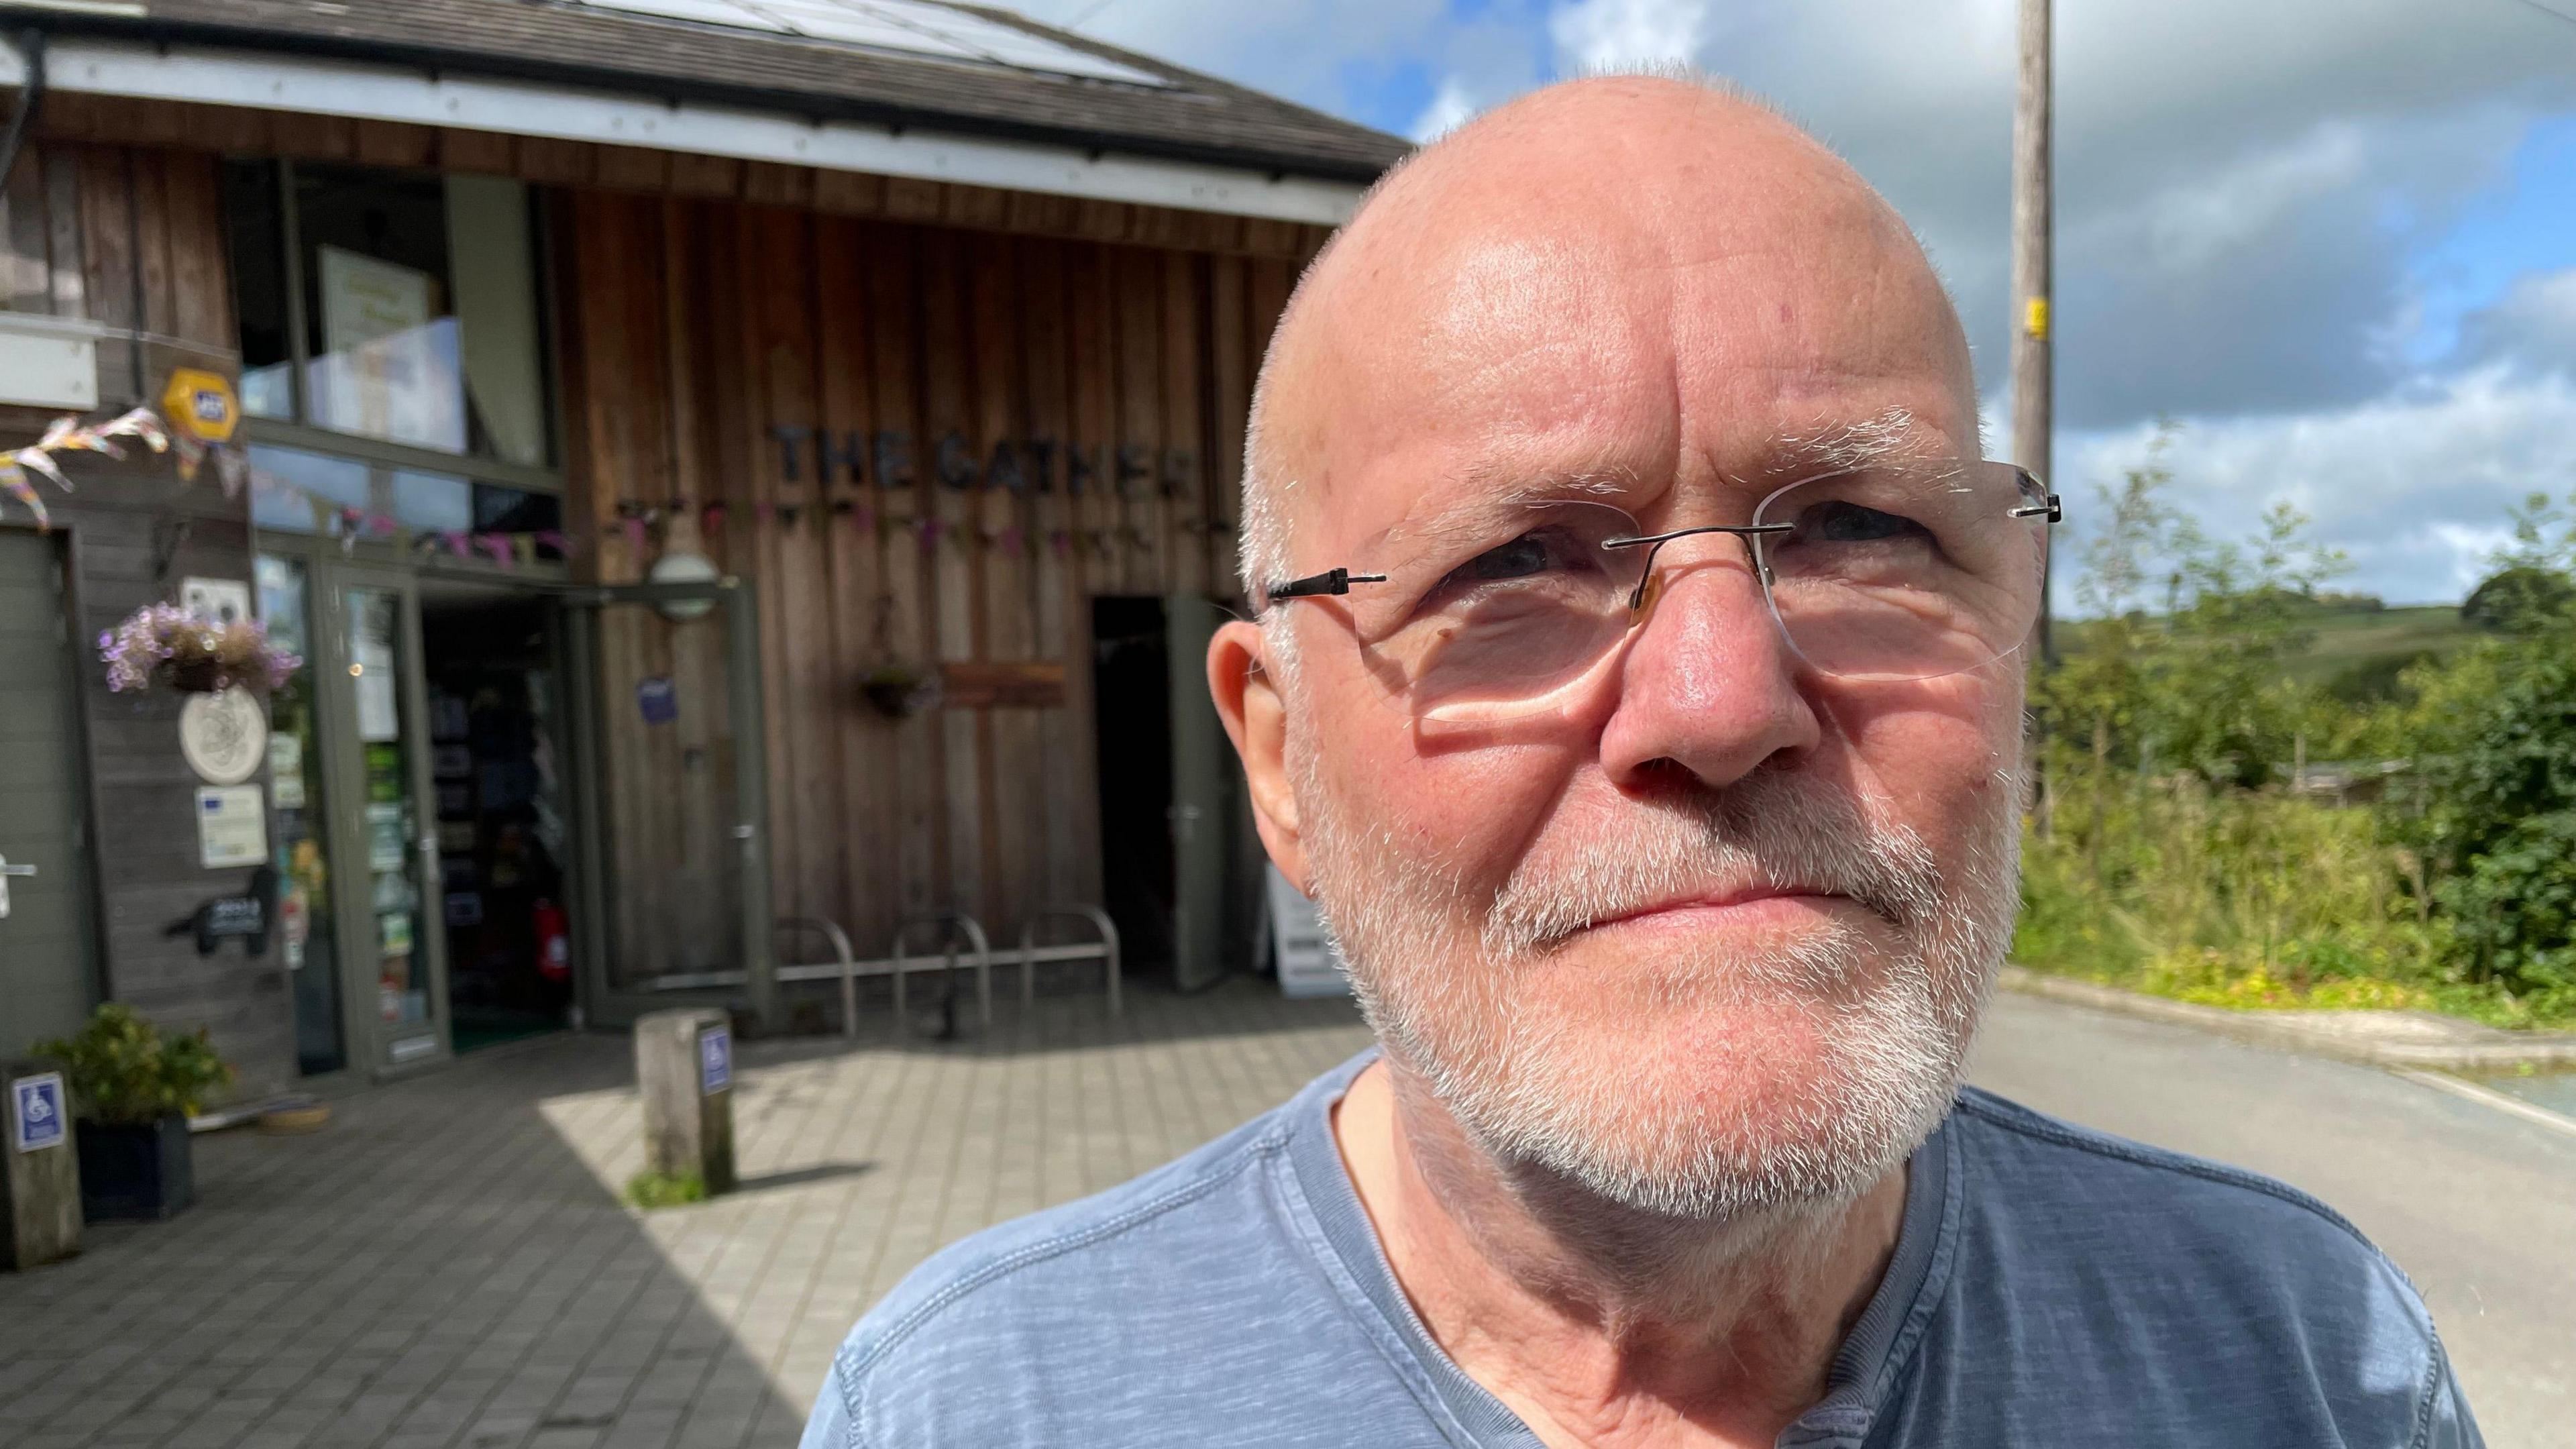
x: 201, y: 403
x: 2035, y: 320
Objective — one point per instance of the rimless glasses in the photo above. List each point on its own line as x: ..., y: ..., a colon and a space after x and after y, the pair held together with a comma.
x: 1888, y: 573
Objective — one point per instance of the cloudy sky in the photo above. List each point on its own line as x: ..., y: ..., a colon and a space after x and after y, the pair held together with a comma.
x: 2335, y: 240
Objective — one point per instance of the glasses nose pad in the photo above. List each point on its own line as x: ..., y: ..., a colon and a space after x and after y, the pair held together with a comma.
x: 1641, y: 600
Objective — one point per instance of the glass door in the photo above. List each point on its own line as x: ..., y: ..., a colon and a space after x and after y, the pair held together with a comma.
x: 385, y: 828
x: 299, y: 788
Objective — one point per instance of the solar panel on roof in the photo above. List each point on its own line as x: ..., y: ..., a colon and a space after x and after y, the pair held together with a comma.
x: 911, y: 27
x: 711, y: 12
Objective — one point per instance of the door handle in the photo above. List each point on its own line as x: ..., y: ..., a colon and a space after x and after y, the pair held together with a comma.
x: 6, y: 871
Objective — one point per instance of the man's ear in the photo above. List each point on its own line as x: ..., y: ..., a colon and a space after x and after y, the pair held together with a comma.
x: 1256, y: 718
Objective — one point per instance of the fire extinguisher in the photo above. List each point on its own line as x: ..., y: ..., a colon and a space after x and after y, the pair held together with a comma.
x: 554, y: 942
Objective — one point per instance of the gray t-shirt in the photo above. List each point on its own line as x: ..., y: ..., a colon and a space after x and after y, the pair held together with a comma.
x: 2050, y: 1286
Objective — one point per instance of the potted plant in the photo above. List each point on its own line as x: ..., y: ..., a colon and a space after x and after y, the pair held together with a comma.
x: 900, y: 691
x: 133, y: 1087
x: 163, y: 644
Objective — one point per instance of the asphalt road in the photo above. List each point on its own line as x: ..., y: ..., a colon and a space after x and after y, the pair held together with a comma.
x: 2476, y: 1204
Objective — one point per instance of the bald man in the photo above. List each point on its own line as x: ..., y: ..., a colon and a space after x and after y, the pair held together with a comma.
x: 1635, y: 684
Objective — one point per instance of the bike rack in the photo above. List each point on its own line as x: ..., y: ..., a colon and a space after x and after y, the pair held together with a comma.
x: 849, y: 963
x: 1106, y: 951
x: 956, y: 923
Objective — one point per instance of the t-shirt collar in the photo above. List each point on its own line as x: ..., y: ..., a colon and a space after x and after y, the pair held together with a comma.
x: 1864, y: 1369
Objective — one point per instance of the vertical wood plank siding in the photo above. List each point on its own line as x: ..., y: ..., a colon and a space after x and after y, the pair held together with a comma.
x: 1040, y: 420
x: 134, y: 239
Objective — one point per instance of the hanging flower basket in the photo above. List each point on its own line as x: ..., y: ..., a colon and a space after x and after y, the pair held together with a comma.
x: 164, y: 646
x: 900, y: 691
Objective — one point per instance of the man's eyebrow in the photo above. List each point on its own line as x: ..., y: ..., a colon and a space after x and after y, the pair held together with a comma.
x: 1498, y: 488
x: 1501, y: 485
x: 1891, y: 436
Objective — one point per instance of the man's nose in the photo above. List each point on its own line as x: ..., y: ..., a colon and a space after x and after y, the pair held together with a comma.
x: 1709, y: 685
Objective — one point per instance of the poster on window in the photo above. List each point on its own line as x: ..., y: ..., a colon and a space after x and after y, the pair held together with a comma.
x: 389, y: 367
x: 371, y: 658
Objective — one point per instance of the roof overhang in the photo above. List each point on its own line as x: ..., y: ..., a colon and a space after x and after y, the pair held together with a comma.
x: 411, y: 94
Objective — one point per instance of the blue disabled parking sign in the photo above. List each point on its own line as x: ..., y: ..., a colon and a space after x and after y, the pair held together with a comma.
x: 36, y: 1112
x: 715, y: 1060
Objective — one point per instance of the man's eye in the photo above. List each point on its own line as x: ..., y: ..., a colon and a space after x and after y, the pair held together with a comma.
x: 1521, y: 558
x: 1852, y: 523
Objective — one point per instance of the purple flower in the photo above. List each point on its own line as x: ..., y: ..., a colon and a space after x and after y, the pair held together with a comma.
x: 164, y: 644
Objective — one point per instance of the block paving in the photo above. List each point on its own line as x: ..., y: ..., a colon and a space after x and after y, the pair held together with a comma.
x: 449, y: 1263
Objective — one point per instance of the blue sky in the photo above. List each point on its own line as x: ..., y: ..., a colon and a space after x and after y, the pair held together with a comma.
x: 2334, y: 240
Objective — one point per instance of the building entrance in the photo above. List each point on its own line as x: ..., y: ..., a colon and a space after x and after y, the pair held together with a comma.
x: 424, y: 809
x: 1177, y: 867
x: 496, y: 722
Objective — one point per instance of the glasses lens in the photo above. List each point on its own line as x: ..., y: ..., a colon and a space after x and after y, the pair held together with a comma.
x: 1496, y: 619
x: 1906, y: 573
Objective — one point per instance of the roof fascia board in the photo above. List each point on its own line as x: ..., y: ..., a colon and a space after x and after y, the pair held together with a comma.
x: 387, y: 93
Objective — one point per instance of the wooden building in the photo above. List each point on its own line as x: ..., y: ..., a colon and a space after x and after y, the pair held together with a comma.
x: 723, y: 463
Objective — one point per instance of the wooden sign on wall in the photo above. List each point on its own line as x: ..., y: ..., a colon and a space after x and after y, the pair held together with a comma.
x: 987, y: 683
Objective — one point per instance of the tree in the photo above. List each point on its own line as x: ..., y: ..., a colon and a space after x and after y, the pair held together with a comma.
x: 2199, y: 683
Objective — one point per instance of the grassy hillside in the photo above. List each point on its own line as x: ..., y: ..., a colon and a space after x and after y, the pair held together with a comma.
x: 2359, y: 648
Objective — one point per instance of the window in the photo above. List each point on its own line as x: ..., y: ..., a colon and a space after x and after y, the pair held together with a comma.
x: 317, y: 486
x: 408, y: 299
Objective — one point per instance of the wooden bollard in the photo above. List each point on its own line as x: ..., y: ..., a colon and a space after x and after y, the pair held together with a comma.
x: 684, y: 1071
x: 39, y: 1175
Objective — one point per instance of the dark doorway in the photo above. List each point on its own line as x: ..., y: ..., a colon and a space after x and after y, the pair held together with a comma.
x: 496, y: 726
x: 1131, y: 704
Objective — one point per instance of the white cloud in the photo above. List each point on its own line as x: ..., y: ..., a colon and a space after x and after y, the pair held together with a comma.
x: 2534, y: 322
x: 2413, y: 485
x: 1451, y: 107
x: 1614, y: 34
x: 2191, y: 225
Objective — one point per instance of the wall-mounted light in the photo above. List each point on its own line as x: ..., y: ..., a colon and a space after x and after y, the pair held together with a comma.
x: 684, y: 568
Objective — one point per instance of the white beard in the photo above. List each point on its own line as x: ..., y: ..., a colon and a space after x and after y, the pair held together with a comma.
x: 1438, y: 968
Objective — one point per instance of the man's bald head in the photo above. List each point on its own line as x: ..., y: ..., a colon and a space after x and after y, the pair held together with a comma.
x: 1544, y: 231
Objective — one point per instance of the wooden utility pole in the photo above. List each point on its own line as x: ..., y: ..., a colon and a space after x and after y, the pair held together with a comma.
x: 2032, y: 376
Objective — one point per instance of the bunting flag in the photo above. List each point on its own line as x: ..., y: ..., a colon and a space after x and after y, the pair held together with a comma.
x: 71, y: 435
x: 233, y: 469
x: 349, y: 524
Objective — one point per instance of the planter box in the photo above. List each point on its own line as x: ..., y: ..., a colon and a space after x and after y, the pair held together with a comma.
x: 134, y: 1171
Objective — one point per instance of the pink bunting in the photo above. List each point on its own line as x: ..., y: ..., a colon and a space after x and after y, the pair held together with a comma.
x: 14, y: 478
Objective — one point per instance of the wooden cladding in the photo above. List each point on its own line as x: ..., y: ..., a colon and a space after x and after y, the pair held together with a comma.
x: 130, y: 239
x: 133, y: 240
x: 708, y: 344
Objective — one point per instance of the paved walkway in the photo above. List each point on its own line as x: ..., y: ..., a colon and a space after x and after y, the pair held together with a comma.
x: 448, y: 1264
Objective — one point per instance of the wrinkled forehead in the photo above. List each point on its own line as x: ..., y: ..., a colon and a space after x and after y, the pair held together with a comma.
x: 1636, y: 354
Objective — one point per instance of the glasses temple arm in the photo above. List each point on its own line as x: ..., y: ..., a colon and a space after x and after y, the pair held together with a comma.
x: 1330, y: 581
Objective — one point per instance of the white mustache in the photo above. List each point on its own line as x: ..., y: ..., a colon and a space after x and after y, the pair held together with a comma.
x: 1772, y: 832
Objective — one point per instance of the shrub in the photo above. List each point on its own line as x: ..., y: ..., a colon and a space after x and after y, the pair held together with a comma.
x: 122, y: 1069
